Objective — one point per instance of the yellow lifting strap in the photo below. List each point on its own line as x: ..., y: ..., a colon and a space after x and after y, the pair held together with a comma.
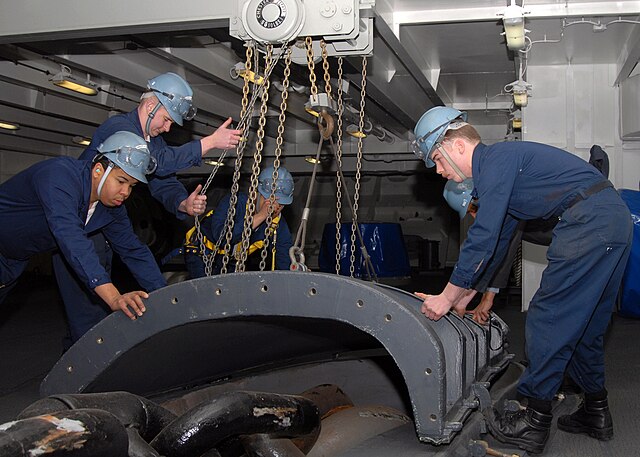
x: 190, y: 241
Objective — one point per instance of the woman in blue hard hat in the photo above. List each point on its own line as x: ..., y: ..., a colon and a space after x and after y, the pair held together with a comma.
x: 570, y: 312
x: 58, y: 202
x: 167, y: 100
x: 214, y: 224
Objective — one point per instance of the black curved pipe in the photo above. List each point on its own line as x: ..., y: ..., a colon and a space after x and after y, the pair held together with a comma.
x: 77, y: 433
x: 236, y: 413
x: 260, y: 445
x: 145, y: 416
x: 139, y: 447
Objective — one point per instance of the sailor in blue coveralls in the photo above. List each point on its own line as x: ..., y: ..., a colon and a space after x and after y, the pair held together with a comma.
x: 167, y: 100
x: 58, y: 203
x: 214, y: 224
x: 570, y: 312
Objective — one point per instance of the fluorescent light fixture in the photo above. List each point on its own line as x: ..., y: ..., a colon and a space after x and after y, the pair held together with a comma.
x: 82, y: 141
x: 9, y: 125
x: 513, y: 21
x: 65, y: 79
x: 214, y: 162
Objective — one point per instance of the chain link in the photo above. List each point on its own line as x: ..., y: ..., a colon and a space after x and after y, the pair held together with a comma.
x: 325, y: 67
x: 339, y: 167
x: 312, y: 66
x: 276, y: 161
x: 356, y: 195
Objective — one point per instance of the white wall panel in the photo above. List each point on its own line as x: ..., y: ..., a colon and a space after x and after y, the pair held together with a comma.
x: 545, y: 117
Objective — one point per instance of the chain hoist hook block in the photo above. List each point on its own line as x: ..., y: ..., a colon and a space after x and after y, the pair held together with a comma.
x: 325, y: 124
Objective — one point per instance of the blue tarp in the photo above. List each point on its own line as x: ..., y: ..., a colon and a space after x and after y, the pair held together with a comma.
x: 384, y: 243
x: 630, y: 301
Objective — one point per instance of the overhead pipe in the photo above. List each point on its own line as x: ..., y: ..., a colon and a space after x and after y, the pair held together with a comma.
x: 145, y: 416
x: 233, y: 414
x: 77, y: 433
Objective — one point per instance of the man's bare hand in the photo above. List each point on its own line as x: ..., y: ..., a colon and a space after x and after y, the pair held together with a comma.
x: 131, y: 300
x: 195, y: 204
x: 223, y: 138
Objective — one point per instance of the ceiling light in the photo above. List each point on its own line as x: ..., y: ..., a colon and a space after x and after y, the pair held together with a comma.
x: 9, y: 125
x: 214, y: 162
x: 513, y: 21
x: 65, y: 79
x: 82, y: 141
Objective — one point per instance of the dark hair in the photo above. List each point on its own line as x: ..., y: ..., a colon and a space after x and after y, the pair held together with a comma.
x: 104, y: 161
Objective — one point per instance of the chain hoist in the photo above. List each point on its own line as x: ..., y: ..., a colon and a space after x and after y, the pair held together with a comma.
x: 269, y: 231
x: 338, y: 154
x: 255, y: 169
x: 356, y: 194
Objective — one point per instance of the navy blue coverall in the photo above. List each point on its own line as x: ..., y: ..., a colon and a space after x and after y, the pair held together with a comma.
x: 45, y: 207
x: 84, y: 308
x: 570, y: 312
x: 213, y: 226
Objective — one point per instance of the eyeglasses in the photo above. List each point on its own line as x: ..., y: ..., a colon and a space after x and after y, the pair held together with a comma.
x: 182, y: 105
x: 137, y: 157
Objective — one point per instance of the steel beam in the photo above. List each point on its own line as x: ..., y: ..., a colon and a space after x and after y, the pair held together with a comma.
x: 537, y: 11
x: 37, y: 20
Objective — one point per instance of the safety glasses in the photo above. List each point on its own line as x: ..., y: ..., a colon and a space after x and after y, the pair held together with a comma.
x: 137, y: 157
x: 182, y: 105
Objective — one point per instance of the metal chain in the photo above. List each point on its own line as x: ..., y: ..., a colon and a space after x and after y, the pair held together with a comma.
x: 255, y: 169
x: 339, y: 167
x: 231, y: 213
x: 356, y: 195
x: 325, y: 66
x: 312, y: 66
x: 276, y: 161
x: 207, y: 258
x: 246, y: 116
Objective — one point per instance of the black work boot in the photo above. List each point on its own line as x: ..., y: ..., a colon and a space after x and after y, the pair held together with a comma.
x: 527, y: 428
x: 592, y: 418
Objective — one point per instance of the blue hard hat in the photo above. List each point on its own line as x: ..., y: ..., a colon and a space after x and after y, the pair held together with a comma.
x: 284, y: 185
x: 129, y: 152
x: 175, y: 94
x: 458, y: 195
x: 431, y: 128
